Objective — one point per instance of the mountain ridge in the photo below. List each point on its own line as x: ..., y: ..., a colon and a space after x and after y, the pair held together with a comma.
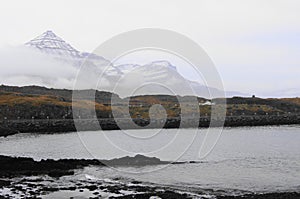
x: 161, y: 71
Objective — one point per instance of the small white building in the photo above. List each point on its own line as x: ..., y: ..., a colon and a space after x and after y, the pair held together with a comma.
x: 207, y: 103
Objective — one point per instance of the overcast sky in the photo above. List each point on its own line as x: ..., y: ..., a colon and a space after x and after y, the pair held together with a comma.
x: 255, y: 44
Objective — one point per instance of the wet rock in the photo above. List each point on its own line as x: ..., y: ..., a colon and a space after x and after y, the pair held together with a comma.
x: 91, y: 187
x: 31, y: 185
x: 4, y: 183
x: 138, y: 160
x: 59, y: 173
x: 16, y: 166
x: 136, y: 182
x: 31, y: 192
x: 114, y: 189
x: 50, y: 189
x: 6, y: 131
x: 164, y: 195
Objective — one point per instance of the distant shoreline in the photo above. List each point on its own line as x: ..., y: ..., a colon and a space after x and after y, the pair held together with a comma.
x: 10, y: 127
x: 34, y: 109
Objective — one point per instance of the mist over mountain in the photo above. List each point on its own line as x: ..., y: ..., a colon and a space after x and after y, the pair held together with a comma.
x: 48, y: 60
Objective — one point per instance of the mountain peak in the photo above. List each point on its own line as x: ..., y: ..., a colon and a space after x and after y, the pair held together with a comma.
x: 49, y: 42
x: 49, y: 33
x: 164, y: 63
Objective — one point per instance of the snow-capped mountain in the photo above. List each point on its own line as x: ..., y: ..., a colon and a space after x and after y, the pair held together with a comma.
x: 126, y: 68
x: 50, y: 43
x: 159, y: 77
x: 162, y: 63
x: 53, y: 45
x: 126, y: 75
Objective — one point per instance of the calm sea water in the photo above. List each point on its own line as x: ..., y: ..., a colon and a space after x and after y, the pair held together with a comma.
x: 259, y: 159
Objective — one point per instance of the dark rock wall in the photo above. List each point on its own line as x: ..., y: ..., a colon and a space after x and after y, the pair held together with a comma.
x: 8, y: 127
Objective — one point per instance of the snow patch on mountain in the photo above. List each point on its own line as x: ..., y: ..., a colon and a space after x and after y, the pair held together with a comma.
x: 51, y: 44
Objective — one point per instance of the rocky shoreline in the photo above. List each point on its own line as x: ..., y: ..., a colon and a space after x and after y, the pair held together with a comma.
x: 10, y: 127
x: 26, y: 178
x: 24, y: 166
x: 22, y: 177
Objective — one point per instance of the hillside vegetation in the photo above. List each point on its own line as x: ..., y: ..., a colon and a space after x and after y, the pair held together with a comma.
x: 35, y: 102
